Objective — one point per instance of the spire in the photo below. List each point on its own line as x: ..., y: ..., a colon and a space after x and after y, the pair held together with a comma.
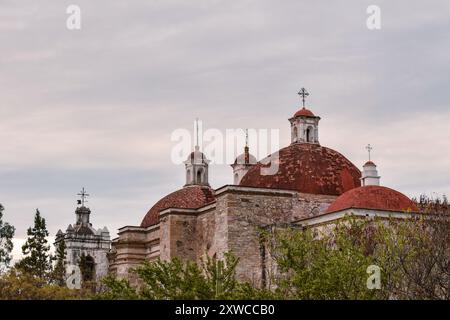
x: 196, y: 135
x: 246, y: 149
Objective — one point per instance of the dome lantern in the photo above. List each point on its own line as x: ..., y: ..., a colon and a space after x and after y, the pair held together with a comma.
x: 370, y: 175
x: 243, y: 163
x: 304, y: 124
x: 197, y: 166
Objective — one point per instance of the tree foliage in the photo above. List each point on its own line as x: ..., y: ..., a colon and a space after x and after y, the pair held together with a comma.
x: 19, y: 285
x: 331, y: 262
x: 59, y: 270
x: 37, y: 260
x: 6, y: 244
x: 175, y: 279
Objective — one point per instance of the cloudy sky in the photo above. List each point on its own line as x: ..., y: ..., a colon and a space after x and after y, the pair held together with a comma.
x: 96, y: 107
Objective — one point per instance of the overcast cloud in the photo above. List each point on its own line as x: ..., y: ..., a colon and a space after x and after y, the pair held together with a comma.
x: 96, y: 107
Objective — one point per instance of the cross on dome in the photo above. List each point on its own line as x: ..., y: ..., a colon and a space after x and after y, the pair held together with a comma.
x: 303, y: 93
x: 369, y: 149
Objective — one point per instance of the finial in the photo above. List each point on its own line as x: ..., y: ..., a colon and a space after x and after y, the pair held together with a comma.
x: 83, y: 195
x: 303, y: 93
x: 369, y: 149
x: 196, y: 129
x: 246, y: 137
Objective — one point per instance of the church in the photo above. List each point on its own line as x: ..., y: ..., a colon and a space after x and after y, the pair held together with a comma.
x: 314, y: 185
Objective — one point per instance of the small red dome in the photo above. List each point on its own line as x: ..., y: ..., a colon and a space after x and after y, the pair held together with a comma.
x: 190, y: 197
x: 303, y: 112
x: 369, y: 163
x: 307, y: 168
x: 373, y: 197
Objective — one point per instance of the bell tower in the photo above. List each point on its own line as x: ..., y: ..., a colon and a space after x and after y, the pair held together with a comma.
x: 304, y: 124
x: 197, y: 166
x: 370, y: 175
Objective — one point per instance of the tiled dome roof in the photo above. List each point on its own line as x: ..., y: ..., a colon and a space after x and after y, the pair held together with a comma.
x: 190, y: 197
x: 373, y: 197
x: 308, y: 168
x: 303, y: 112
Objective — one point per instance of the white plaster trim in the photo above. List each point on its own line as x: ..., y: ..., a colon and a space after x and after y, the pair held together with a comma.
x: 327, y: 217
x: 254, y: 190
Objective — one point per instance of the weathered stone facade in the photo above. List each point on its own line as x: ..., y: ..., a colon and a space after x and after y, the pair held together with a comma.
x: 82, y: 239
x: 232, y: 223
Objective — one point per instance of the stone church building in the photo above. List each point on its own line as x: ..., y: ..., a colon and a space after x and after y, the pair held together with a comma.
x: 313, y: 185
x: 82, y: 240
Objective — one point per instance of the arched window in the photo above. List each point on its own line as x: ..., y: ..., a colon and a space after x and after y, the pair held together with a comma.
x: 295, y: 134
x: 236, y: 178
x: 87, y: 267
x: 309, y: 135
x: 199, y: 176
x: 188, y: 176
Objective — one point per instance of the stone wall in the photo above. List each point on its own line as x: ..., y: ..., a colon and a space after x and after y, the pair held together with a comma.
x: 233, y: 223
x: 133, y: 246
x: 248, y: 210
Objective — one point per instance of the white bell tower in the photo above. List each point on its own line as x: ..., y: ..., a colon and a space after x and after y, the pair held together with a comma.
x: 197, y: 166
x: 304, y: 124
x: 370, y: 175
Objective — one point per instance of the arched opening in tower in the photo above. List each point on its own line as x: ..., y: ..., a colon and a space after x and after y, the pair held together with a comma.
x: 199, y: 176
x: 309, y: 135
x: 87, y: 267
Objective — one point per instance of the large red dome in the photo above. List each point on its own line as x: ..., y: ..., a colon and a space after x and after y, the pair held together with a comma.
x: 308, y: 168
x: 373, y: 197
x: 189, y: 197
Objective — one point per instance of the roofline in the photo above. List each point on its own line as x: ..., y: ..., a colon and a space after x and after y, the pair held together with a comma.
x: 186, y: 211
x: 361, y: 212
x: 138, y: 228
x: 231, y: 188
x: 312, y: 117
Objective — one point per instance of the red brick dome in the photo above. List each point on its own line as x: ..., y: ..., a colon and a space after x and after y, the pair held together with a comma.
x: 190, y: 197
x: 308, y: 168
x: 303, y: 112
x: 373, y: 197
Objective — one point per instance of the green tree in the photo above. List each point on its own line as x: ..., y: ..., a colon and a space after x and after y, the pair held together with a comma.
x: 37, y: 260
x: 6, y: 244
x: 176, y: 279
x: 328, y: 263
x: 59, y: 271
x: 19, y: 285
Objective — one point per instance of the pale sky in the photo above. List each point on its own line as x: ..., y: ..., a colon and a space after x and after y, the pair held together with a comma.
x: 96, y: 107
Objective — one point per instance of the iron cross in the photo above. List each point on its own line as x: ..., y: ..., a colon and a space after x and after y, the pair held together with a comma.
x: 246, y: 137
x: 369, y: 148
x: 83, y: 195
x: 303, y: 93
